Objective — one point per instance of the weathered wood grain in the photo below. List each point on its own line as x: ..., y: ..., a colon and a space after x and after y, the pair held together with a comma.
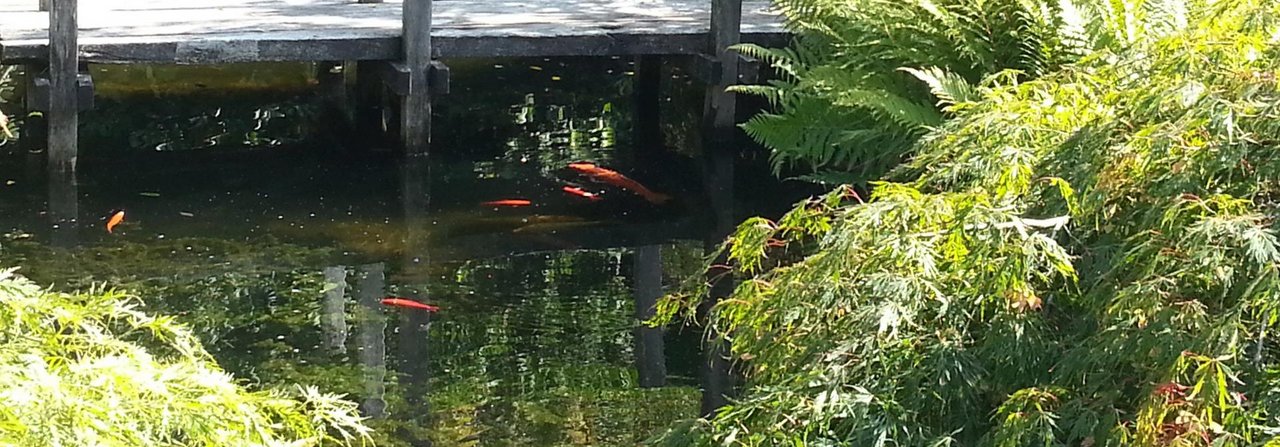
x: 220, y: 31
x: 415, y: 105
x: 63, y: 67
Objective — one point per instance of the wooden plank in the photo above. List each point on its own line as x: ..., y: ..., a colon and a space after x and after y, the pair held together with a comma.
x: 220, y: 31
x: 63, y: 67
x: 389, y: 48
x: 415, y: 105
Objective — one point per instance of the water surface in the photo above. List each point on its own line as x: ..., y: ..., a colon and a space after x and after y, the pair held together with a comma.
x: 260, y: 215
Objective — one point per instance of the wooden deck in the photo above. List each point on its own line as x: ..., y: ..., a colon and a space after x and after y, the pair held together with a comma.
x: 224, y: 31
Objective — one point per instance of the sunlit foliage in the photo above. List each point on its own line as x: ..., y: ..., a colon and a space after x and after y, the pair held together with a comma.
x: 1084, y: 259
x: 523, y: 354
x: 866, y: 78
x: 8, y: 129
x: 91, y: 369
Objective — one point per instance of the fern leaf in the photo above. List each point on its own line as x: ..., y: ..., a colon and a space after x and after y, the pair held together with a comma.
x: 948, y: 87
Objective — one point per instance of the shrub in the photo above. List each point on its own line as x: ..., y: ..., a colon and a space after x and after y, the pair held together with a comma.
x: 90, y: 369
x: 1088, y: 258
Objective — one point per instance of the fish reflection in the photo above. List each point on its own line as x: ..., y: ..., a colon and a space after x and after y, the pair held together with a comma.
x: 508, y: 202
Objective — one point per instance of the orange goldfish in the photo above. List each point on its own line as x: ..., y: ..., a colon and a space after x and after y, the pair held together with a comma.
x: 408, y: 303
x: 581, y: 193
x: 115, y: 220
x: 508, y: 202
x: 614, y: 178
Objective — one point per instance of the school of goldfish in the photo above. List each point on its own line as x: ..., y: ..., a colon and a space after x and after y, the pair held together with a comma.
x: 614, y: 178
x: 590, y: 170
x: 596, y: 174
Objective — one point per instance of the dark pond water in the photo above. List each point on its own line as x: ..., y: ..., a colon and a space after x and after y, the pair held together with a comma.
x: 256, y: 214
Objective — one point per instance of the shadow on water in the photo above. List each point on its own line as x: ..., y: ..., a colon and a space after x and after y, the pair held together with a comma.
x: 256, y: 216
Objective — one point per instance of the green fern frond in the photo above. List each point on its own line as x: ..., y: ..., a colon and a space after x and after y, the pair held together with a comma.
x: 771, y: 93
x: 903, y: 111
x: 948, y: 87
x: 850, y: 53
x: 781, y: 60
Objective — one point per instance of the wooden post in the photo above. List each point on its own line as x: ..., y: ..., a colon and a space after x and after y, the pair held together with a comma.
x: 415, y: 106
x: 64, y: 58
x: 651, y: 364
x: 44, y: 5
x: 718, y: 143
x: 64, y: 62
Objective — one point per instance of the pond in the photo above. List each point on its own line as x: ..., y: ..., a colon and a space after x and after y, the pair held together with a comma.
x: 257, y: 213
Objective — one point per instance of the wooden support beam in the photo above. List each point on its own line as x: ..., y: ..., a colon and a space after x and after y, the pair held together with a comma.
x: 706, y: 68
x: 63, y: 119
x: 415, y: 106
x: 719, y: 133
x: 438, y: 78
x: 63, y: 73
x: 395, y: 76
x: 39, y: 93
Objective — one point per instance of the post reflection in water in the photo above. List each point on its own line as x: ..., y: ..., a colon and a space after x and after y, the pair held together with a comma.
x: 415, y: 325
x: 371, y: 286
x: 64, y: 208
x: 333, y: 310
x: 651, y: 362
